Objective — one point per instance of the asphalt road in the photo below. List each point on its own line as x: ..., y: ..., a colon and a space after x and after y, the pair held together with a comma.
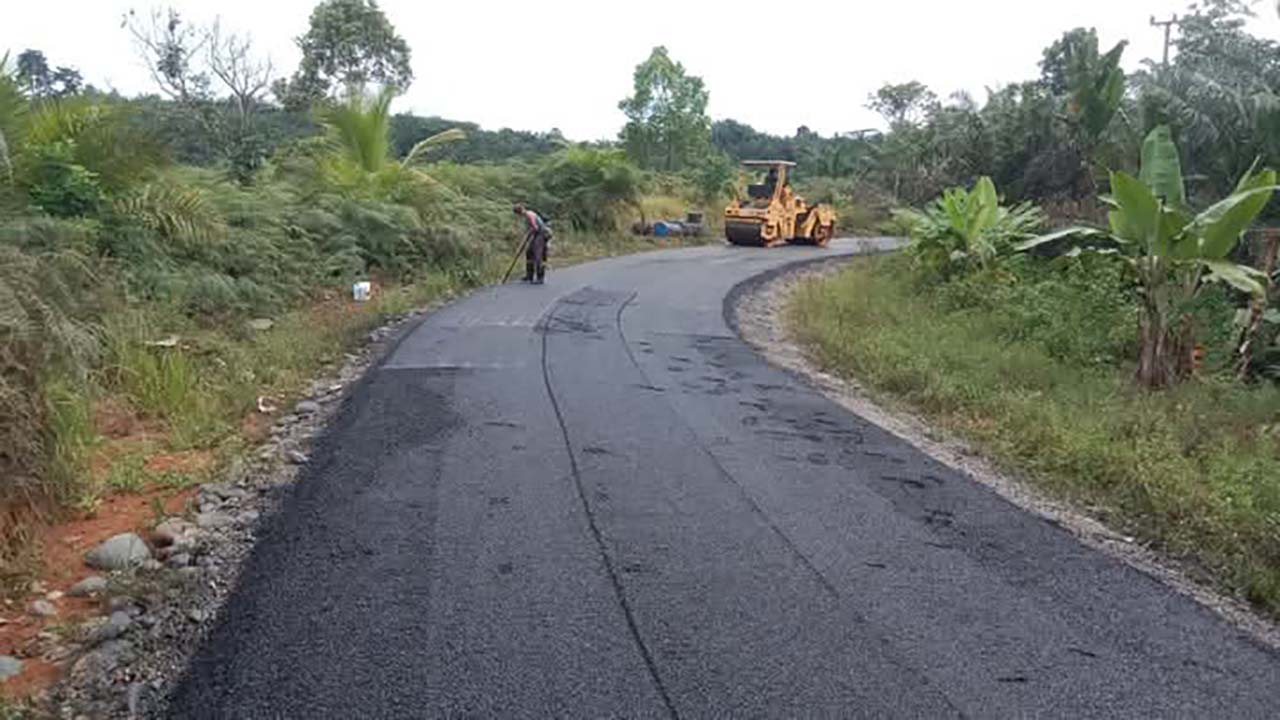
x: 591, y: 499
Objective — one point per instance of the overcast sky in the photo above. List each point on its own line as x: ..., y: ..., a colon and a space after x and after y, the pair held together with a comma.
x: 566, y: 63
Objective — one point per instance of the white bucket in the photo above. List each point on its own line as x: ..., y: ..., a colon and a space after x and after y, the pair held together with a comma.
x: 361, y: 291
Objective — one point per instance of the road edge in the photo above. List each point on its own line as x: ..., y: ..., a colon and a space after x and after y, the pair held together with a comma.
x: 754, y: 310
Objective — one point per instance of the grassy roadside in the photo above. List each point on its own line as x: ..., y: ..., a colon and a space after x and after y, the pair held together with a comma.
x: 1195, y: 471
x: 175, y: 401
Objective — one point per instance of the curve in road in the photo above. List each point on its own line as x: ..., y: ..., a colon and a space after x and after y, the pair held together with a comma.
x: 591, y: 498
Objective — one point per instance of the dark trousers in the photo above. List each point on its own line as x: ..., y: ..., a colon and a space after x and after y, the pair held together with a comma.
x: 535, y: 257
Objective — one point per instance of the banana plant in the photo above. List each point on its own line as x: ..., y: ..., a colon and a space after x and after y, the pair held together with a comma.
x: 968, y: 227
x: 1173, y: 252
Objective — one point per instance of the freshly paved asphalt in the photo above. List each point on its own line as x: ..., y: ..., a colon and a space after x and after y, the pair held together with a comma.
x: 591, y: 499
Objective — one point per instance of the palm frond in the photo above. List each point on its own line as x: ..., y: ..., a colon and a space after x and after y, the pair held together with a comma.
x: 360, y: 129
x: 441, y: 138
x: 179, y: 215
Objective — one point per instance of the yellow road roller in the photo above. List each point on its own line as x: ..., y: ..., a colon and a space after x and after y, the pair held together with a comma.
x: 772, y: 214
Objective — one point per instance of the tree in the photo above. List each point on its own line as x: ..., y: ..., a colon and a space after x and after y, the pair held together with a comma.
x: 170, y: 47
x: 1056, y: 59
x: 245, y: 78
x: 1095, y: 84
x: 667, y: 125
x: 349, y: 45
x: 904, y: 104
x: 34, y: 73
x: 215, y: 78
x: 1220, y: 95
x: 41, y: 82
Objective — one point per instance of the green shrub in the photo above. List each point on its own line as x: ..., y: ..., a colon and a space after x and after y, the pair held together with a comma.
x: 968, y: 228
x: 60, y: 187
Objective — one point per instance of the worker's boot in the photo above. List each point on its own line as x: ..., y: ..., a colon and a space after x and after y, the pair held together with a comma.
x: 528, y: 272
x: 542, y: 274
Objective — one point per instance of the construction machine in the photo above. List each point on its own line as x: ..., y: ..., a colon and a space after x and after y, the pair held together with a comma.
x: 772, y: 214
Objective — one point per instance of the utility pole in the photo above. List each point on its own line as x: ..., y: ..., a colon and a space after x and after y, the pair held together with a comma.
x: 1168, y: 33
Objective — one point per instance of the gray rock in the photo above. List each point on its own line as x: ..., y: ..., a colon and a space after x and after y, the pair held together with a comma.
x: 296, y: 457
x: 180, y: 560
x: 151, y: 565
x: 197, y: 616
x: 307, y: 407
x: 171, y: 531
x: 237, y: 471
x: 42, y: 608
x: 134, y: 699
x: 122, y: 602
x: 213, y: 520
x: 190, y: 572
x: 91, y: 585
x: 118, y: 553
x: 223, y: 491
x: 249, y: 517
x: 9, y: 666
x: 115, y: 626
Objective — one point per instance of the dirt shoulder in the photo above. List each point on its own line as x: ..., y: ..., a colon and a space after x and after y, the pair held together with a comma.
x: 758, y: 313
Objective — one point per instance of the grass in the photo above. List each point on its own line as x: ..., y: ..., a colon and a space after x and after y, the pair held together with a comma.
x: 1195, y: 470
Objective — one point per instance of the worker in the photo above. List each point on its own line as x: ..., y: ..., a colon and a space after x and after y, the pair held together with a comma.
x: 771, y: 180
x: 537, y: 236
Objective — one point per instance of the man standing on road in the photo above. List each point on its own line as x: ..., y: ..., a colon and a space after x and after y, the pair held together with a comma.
x: 536, y: 239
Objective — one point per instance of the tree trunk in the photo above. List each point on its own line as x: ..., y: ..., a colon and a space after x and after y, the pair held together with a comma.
x: 1153, y: 353
x: 1258, y: 307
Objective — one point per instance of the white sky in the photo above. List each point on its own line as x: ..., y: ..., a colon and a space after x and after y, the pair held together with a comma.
x: 566, y: 63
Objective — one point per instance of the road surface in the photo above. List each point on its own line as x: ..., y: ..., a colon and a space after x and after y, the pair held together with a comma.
x: 591, y: 499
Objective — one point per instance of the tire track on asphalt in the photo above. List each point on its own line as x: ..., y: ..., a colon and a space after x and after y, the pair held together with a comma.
x: 614, y: 580
x: 724, y: 473
x: 830, y: 589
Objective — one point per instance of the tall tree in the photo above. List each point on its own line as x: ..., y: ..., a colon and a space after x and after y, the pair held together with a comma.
x: 215, y: 79
x: 667, y: 125
x: 40, y: 81
x: 349, y: 45
x: 904, y: 104
x: 34, y: 73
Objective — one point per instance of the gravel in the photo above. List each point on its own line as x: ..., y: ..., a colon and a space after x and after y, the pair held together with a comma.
x: 129, y: 661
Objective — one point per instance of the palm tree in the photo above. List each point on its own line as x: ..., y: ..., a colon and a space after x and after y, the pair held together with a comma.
x: 360, y: 133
